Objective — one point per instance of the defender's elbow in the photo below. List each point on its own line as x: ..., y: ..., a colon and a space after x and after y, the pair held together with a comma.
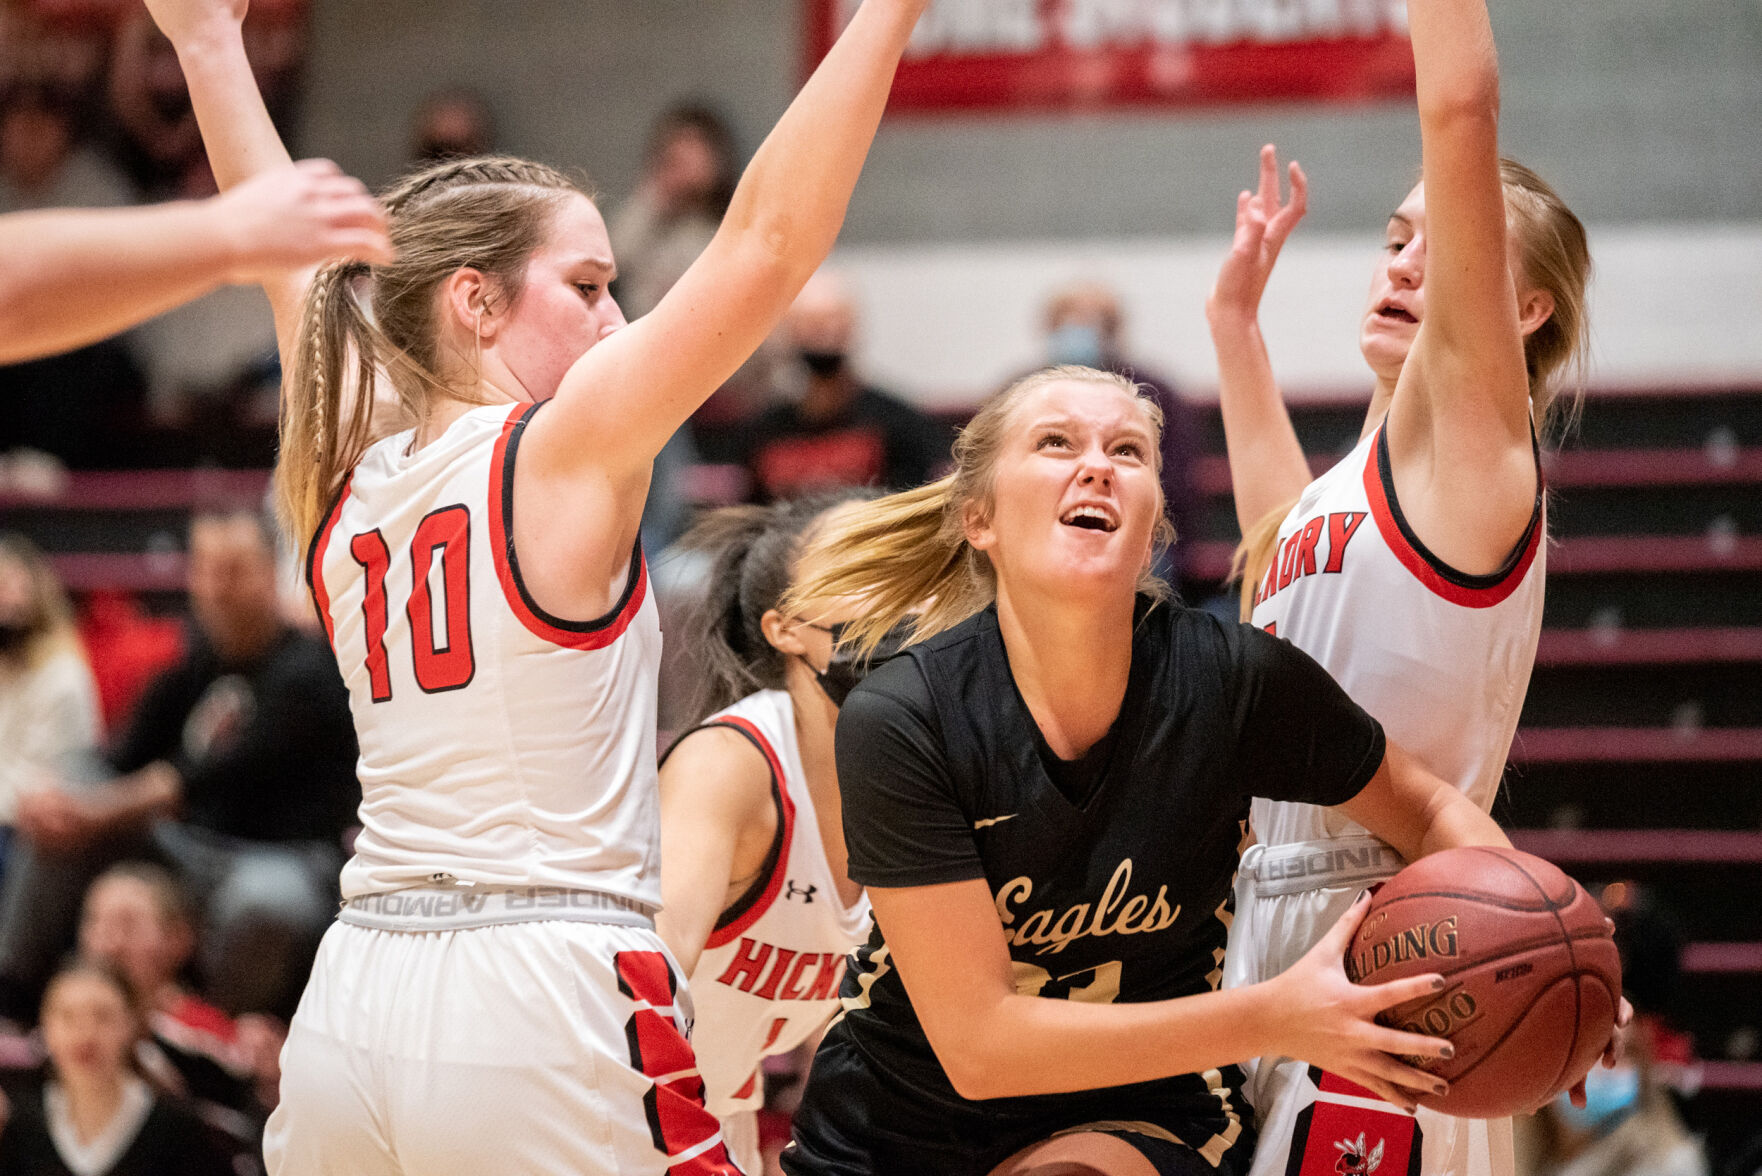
x: 1463, y: 101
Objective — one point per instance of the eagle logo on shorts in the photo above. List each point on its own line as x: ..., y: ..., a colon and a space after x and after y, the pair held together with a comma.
x: 1354, y: 1160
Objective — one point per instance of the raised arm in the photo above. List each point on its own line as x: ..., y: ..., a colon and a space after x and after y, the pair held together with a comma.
x: 1459, y: 422
x: 241, y: 140
x: 73, y: 276
x: 640, y: 385
x: 1267, y: 466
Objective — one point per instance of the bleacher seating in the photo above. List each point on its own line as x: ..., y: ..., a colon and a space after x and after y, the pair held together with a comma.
x: 1639, y: 756
x: 1640, y: 752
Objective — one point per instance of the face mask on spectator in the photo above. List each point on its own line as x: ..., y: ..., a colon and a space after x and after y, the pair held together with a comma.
x: 1610, y: 1097
x: 1076, y: 343
x: 13, y: 636
x: 824, y: 364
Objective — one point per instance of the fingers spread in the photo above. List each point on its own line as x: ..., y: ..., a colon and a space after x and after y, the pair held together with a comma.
x: 1269, y: 176
x: 1410, y: 1045
x: 1341, y: 932
x: 1408, y: 1078
x: 1387, y: 1091
x: 1299, y: 189
x: 1383, y: 996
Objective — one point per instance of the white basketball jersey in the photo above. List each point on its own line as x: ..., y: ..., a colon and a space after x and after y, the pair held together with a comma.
x: 768, y: 978
x: 500, y: 746
x: 1442, y: 659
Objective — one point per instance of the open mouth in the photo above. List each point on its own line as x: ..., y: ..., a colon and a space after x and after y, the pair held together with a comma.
x: 1389, y: 312
x: 1091, y: 518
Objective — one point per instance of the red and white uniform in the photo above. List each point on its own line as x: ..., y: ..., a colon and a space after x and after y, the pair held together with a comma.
x: 1443, y: 660
x: 768, y: 977
x: 494, y: 997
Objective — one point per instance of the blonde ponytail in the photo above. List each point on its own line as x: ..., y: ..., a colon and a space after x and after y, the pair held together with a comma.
x: 1255, y: 554
x: 905, y: 556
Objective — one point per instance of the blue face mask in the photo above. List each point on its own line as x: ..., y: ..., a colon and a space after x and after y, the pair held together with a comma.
x: 1610, y: 1097
x: 1076, y: 343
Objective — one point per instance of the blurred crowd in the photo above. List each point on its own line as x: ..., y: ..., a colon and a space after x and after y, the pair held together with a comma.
x: 94, y: 113
x: 176, y: 798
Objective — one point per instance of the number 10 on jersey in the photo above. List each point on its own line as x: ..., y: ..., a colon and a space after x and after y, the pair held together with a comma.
x: 442, y: 659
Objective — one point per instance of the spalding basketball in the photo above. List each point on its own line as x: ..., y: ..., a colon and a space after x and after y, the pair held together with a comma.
x: 1532, y: 980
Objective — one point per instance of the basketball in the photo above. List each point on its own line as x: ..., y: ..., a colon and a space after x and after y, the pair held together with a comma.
x: 1532, y: 980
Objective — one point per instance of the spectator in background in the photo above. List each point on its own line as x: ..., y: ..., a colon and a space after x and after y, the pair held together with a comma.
x: 159, y: 143
x: 137, y: 919
x: 1629, y: 1125
x: 1085, y: 325
x: 237, y: 769
x: 687, y: 180
x: 43, y: 164
x: 48, y: 702
x: 838, y: 431
x: 59, y: 407
x: 94, y: 1114
x: 450, y: 122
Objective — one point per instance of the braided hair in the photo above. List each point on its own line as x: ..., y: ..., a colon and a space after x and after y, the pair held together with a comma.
x: 488, y: 213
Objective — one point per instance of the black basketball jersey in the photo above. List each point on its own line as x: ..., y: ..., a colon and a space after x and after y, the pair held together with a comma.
x: 1123, y: 897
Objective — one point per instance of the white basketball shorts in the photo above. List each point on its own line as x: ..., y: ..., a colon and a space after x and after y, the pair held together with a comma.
x: 532, y: 1047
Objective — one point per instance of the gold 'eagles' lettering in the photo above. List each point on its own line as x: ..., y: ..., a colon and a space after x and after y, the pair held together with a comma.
x: 1049, y: 930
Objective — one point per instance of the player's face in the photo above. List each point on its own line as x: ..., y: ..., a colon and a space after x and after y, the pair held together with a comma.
x: 566, y: 305
x: 1075, y: 497
x: 1396, y: 304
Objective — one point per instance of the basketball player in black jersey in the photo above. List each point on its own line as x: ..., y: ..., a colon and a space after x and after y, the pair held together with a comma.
x: 1045, y: 799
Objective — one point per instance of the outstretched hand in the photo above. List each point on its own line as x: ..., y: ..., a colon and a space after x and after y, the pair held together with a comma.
x: 1263, y: 223
x: 184, y: 20
x: 306, y: 214
x: 1331, y: 1022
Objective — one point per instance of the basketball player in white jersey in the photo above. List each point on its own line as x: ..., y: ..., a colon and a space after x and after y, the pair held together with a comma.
x: 759, y: 907
x: 1412, y: 570
x: 494, y: 997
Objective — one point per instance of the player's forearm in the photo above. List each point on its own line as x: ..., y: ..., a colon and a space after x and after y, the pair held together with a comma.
x: 1417, y: 812
x: 1267, y: 466
x: 1034, y: 1045
x: 792, y: 199
x: 236, y: 128
x: 72, y: 277
x: 1455, y: 59
x: 1455, y: 821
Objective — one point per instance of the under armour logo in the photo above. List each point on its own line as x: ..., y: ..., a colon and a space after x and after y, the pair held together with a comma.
x: 806, y: 894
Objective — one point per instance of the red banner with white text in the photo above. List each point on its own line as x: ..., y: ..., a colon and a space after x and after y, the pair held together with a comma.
x: 1053, y: 55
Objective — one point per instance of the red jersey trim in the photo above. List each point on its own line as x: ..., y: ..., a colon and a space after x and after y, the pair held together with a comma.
x: 1454, y: 586
x: 315, y: 561
x: 594, y: 634
x: 728, y: 932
